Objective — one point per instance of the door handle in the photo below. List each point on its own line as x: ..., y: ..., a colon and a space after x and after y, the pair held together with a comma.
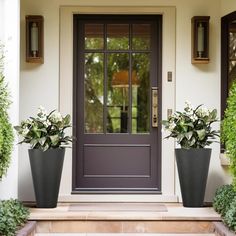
x: 154, y: 107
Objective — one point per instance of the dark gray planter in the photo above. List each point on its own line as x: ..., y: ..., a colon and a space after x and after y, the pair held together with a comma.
x: 46, y: 168
x: 193, y: 166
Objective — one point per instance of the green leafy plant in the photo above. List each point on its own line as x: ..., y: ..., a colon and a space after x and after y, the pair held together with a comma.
x: 192, y: 127
x: 6, y: 130
x: 223, y: 197
x: 12, y: 216
x: 45, y: 130
x: 228, y: 129
x: 230, y: 216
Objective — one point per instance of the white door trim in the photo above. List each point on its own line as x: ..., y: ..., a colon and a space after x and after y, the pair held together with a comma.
x: 168, y: 97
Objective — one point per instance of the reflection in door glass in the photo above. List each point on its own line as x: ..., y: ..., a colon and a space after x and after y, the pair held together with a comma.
x: 140, y: 93
x: 117, y: 36
x: 117, y: 92
x: 141, y: 36
x: 94, y: 36
x: 93, y: 107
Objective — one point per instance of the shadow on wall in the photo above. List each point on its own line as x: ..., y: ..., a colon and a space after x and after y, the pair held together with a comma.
x: 216, y: 180
x: 25, y: 186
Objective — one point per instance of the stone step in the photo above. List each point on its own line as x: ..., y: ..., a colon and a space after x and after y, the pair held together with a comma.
x: 102, y: 218
x: 102, y: 226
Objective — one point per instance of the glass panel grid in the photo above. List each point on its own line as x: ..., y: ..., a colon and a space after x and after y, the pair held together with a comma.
x: 109, y: 73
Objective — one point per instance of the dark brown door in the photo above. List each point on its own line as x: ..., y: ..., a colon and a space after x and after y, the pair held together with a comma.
x: 117, y: 102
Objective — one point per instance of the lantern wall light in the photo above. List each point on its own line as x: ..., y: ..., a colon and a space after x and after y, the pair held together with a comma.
x: 34, y: 39
x: 200, y: 39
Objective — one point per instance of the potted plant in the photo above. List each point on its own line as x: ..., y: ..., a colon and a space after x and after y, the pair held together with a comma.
x: 193, y: 132
x: 46, y: 135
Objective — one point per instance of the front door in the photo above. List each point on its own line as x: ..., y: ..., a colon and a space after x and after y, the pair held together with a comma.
x: 117, y: 103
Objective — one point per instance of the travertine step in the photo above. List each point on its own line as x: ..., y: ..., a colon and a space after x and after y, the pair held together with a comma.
x: 175, y: 220
x: 102, y: 226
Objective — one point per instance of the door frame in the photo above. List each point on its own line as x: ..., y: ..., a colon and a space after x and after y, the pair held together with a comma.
x: 78, y: 72
x: 168, y: 96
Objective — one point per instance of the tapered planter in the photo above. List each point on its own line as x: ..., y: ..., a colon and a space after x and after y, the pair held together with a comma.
x: 46, y: 168
x: 193, y: 166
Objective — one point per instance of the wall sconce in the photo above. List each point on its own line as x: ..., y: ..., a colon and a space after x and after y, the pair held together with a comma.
x: 200, y: 39
x: 34, y: 39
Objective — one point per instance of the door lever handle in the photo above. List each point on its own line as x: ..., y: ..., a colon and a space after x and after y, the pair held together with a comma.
x: 154, y: 107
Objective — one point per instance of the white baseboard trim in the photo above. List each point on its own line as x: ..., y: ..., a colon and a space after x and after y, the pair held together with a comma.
x: 118, y: 198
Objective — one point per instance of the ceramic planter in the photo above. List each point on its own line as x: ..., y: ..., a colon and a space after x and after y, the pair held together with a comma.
x: 193, y: 165
x: 46, y: 168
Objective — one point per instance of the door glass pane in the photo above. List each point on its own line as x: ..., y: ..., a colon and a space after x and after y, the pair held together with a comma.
x: 93, y: 107
x: 140, y: 93
x: 117, y: 92
x: 94, y: 36
x: 117, y: 36
x: 141, y: 36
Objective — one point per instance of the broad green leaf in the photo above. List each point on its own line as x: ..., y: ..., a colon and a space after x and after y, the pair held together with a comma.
x: 201, y: 134
x: 192, y: 142
x: 44, y: 130
x: 54, y: 139
x: 67, y: 120
x: 189, y: 135
x: 33, y: 142
x: 214, y: 114
x: 180, y: 137
x: 46, y: 147
x: 42, y: 140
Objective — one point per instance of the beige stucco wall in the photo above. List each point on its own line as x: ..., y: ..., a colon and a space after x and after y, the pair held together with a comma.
x: 200, y: 84
x: 227, y: 6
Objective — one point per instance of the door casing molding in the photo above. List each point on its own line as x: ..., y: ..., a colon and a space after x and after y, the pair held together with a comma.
x: 168, y: 96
